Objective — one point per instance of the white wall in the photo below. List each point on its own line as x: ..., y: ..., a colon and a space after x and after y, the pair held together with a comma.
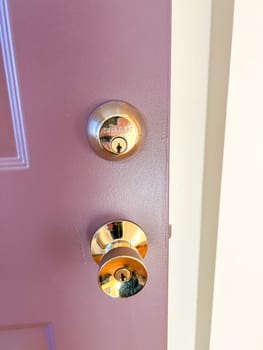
x: 237, y: 318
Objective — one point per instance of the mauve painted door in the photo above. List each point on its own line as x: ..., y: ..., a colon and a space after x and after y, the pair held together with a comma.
x: 71, y: 56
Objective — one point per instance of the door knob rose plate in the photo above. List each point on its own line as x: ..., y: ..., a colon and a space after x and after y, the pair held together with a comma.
x: 115, y: 130
x: 118, y: 247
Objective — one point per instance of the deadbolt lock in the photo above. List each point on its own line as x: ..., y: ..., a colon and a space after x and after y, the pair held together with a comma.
x: 119, y: 247
x: 115, y: 130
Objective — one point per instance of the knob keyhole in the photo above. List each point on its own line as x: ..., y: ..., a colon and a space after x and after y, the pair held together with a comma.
x: 122, y: 275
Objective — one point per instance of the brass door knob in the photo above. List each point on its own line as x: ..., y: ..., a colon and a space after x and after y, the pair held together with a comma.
x: 118, y: 247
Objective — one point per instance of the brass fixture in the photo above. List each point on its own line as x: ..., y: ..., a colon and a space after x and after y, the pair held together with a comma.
x: 118, y: 247
x: 115, y: 130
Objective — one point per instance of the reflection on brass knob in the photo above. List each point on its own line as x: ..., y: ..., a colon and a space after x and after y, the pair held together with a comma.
x: 119, y: 247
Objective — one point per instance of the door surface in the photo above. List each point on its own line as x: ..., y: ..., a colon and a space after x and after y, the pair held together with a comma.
x: 68, y: 57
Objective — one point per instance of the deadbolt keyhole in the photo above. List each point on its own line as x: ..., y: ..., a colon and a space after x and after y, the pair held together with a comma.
x: 119, y: 148
x: 119, y: 145
x: 115, y: 130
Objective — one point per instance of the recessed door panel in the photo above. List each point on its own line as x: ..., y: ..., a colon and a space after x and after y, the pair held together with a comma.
x: 7, y: 141
x: 27, y: 337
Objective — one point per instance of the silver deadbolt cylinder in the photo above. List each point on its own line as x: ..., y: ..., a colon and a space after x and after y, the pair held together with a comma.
x: 115, y: 130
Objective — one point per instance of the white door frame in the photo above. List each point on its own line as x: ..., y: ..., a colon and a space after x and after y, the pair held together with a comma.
x: 201, y: 44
